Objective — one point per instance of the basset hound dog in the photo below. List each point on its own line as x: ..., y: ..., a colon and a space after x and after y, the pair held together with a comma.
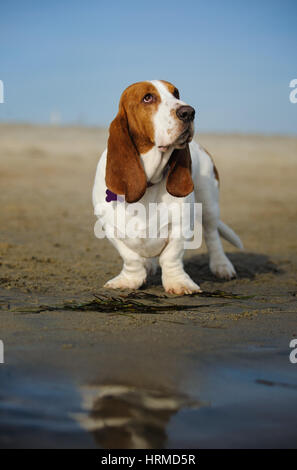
x: 151, y: 158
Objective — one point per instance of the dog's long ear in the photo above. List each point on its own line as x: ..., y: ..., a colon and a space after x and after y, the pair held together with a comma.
x: 124, y: 171
x: 179, y: 179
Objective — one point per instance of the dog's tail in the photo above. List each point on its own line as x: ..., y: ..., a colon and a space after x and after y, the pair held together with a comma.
x: 229, y: 235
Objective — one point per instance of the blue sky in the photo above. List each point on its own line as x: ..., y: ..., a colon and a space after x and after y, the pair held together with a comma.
x: 232, y: 60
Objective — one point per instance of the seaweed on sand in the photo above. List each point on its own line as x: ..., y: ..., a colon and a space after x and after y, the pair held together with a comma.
x: 134, y: 302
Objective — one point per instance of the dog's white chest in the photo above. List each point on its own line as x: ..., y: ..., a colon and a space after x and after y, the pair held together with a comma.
x: 144, y: 226
x: 146, y: 247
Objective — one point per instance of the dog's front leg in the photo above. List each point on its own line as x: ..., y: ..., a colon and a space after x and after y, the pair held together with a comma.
x: 175, y: 280
x: 133, y: 273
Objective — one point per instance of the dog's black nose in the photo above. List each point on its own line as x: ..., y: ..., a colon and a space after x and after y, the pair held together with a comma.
x: 186, y: 113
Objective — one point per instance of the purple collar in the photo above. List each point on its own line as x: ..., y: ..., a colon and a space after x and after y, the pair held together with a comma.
x: 110, y: 196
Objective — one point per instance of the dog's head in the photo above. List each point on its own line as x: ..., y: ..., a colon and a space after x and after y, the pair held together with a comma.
x: 151, y: 114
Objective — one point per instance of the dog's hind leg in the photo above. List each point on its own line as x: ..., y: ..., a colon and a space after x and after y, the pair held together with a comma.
x: 207, y: 193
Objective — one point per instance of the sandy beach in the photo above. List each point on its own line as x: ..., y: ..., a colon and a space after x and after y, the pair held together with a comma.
x: 213, y: 373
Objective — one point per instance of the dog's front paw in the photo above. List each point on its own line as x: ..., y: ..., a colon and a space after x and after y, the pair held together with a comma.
x: 180, y: 285
x: 223, y: 268
x: 123, y: 282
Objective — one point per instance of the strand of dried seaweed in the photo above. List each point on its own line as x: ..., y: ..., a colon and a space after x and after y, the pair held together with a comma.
x: 105, y: 304
x: 217, y: 293
x: 134, y: 302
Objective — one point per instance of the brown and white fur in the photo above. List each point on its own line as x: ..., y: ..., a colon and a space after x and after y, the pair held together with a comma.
x: 151, y: 157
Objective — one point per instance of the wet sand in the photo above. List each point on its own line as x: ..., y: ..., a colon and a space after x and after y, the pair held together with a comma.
x: 214, y: 375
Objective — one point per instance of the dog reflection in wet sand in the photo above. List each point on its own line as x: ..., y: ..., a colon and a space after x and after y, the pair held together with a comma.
x: 129, y: 418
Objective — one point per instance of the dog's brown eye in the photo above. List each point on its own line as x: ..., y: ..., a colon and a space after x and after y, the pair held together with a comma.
x: 176, y: 93
x: 148, y: 98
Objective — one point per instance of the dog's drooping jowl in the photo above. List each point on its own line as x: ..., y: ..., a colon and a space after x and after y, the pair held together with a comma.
x: 151, y: 158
